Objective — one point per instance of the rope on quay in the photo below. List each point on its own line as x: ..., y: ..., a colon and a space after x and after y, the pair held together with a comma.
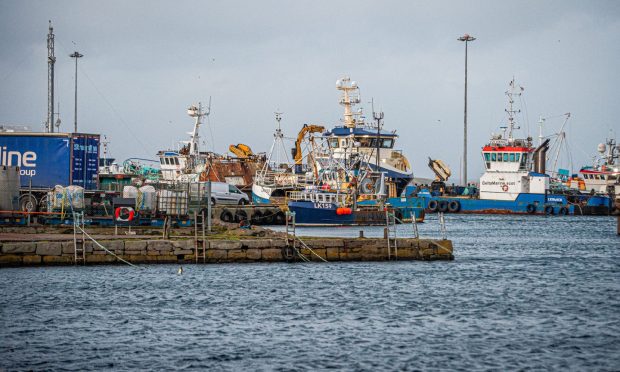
x: 310, y: 249
x: 107, y: 250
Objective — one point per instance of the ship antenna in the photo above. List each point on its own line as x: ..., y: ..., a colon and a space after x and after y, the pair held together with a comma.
x: 511, y: 93
x: 51, y: 60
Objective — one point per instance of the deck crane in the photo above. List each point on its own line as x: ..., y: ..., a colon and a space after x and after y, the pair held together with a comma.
x: 442, y: 173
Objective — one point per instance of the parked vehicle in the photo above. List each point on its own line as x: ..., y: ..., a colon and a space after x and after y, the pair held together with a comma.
x: 225, y: 193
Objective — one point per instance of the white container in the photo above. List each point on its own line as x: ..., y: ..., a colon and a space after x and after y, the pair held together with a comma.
x: 147, y: 198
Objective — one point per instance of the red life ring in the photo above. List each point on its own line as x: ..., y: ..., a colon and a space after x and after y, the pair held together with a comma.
x: 505, y: 187
x: 124, y: 214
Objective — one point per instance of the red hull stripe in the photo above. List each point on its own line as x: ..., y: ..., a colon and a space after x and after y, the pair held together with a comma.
x: 506, y: 149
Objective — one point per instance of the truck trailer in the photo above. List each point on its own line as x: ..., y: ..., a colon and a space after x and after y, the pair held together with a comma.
x: 49, y: 159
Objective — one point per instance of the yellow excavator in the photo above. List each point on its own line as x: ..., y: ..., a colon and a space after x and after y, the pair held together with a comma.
x: 442, y: 173
x: 307, y: 128
x: 241, y: 151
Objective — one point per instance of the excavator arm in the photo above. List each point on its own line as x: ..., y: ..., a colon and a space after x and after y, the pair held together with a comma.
x: 241, y: 151
x: 307, y: 128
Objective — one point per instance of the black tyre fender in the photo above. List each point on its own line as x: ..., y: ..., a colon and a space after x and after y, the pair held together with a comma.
x: 227, y: 216
x: 267, y: 217
x: 241, y: 215
x: 454, y: 206
x: 549, y: 209
x: 257, y: 217
x: 531, y: 208
x: 443, y: 206
x: 432, y: 205
x: 279, y: 218
x: 563, y: 211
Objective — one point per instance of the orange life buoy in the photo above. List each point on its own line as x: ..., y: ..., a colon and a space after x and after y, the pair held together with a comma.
x: 505, y: 187
x: 124, y: 214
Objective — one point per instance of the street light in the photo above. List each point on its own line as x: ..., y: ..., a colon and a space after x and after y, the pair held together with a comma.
x: 75, y: 55
x: 466, y: 38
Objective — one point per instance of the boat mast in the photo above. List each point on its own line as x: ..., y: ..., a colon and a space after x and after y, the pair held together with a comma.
x: 350, y: 96
x: 197, y: 114
x: 514, y: 91
x: 51, y: 60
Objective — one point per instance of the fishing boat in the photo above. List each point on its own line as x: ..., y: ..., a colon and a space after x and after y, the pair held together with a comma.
x: 514, y: 180
x: 348, y: 192
x: 189, y: 164
x: 357, y: 136
x: 278, y: 174
x: 604, y: 175
x: 353, y: 137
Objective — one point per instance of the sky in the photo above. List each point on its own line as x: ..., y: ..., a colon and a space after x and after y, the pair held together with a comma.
x: 145, y: 62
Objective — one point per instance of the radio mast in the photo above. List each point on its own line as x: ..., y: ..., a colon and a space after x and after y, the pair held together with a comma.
x: 51, y: 59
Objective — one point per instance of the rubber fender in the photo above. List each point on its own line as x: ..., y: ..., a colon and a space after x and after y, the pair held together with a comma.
x: 454, y: 206
x: 257, y: 217
x: 399, y: 215
x: 549, y: 209
x: 432, y: 205
x: 241, y: 215
x: 227, y: 216
x: 279, y: 218
x: 563, y: 211
x: 443, y: 206
x: 531, y: 208
x: 267, y: 217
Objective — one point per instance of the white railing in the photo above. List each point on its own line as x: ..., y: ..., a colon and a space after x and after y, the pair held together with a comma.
x: 318, y: 197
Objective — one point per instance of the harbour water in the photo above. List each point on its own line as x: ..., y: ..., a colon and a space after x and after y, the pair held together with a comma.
x: 522, y: 293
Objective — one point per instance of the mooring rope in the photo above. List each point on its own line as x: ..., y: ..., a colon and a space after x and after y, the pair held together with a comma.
x: 107, y: 250
x: 310, y: 249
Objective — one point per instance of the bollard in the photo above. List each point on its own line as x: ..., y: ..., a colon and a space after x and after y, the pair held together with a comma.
x: 385, y: 233
x: 362, y: 233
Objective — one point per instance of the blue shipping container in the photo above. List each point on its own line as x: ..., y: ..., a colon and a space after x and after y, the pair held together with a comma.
x: 52, y: 159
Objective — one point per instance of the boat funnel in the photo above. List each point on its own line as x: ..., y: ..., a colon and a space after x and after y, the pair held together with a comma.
x: 540, y: 157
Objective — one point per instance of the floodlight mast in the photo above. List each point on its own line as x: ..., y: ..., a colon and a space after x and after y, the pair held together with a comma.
x: 466, y: 38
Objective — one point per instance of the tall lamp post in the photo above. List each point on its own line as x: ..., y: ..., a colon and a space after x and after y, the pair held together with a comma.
x: 75, y: 55
x: 466, y: 38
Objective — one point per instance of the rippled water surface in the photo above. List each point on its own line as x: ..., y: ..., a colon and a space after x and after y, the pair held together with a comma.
x: 523, y: 292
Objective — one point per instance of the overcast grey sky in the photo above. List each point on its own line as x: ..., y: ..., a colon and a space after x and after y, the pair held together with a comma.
x: 146, y: 61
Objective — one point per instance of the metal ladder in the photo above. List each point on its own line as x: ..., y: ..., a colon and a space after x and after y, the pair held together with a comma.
x: 390, y: 222
x: 79, y: 249
x: 442, y: 226
x: 200, y: 239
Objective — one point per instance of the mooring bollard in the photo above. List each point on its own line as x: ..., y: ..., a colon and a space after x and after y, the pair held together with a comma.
x: 362, y: 233
x: 385, y: 233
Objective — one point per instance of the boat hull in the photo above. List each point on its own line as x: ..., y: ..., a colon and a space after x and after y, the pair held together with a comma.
x: 550, y: 204
x: 325, y: 214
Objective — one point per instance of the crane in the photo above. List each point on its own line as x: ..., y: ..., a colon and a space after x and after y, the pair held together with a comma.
x: 307, y: 128
x: 242, y: 151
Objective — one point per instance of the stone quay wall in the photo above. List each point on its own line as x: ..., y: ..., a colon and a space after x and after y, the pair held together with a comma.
x: 40, y: 253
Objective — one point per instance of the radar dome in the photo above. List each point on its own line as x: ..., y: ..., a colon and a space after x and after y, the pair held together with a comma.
x: 354, y: 84
x: 338, y: 83
x: 602, y: 148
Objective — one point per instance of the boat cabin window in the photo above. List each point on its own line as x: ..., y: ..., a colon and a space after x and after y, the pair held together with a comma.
x: 512, y: 157
x: 517, y: 156
x: 499, y: 156
x: 161, y: 160
x: 505, y: 156
x: 344, y: 143
x: 176, y: 161
x: 493, y: 157
x: 333, y: 143
x: 523, y: 161
x: 387, y: 143
x: 613, y: 177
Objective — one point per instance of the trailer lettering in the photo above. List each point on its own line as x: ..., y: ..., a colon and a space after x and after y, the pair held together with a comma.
x: 16, y: 158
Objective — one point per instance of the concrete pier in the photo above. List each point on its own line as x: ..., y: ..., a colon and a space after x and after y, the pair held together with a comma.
x: 59, y: 250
